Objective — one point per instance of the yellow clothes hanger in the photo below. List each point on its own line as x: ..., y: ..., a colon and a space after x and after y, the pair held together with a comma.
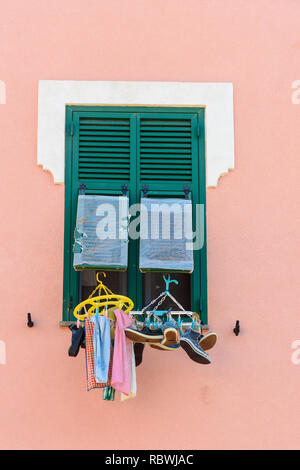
x: 103, y: 300
x: 118, y: 301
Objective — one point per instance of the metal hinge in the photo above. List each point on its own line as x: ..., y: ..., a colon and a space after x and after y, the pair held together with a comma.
x: 82, y: 188
x: 145, y: 189
x: 72, y: 130
x: 70, y: 304
x: 186, y: 190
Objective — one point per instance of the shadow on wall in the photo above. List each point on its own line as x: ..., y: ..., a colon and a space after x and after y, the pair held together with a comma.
x: 2, y: 92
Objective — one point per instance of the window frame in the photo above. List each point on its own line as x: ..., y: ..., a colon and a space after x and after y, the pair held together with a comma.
x: 199, y: 288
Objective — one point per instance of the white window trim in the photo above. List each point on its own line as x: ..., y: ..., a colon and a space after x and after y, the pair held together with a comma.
x: 54, y: 95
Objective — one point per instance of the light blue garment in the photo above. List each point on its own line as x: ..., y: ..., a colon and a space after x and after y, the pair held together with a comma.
x: 101, y: 347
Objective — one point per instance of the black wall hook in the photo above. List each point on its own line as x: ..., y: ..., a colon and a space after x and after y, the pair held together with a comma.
x: 29, y: 321
x: 236, y: 329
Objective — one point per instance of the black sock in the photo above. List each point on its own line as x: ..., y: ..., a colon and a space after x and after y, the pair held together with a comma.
x: 138, y: 352
x: 78, y: 336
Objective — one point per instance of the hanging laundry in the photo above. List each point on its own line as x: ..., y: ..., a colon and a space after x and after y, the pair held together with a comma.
x: 108, y: 393
x: 138, y: 352
x: 77, y: 341
x: 133, y: 386
x: 90, y: 354
x: 101, y: 347
x: 122, y: 356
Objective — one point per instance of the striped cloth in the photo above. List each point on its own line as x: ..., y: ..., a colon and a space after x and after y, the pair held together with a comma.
x: 89, y: 356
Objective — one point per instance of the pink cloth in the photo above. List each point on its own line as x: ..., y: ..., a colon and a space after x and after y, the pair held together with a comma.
x: 121, y: 370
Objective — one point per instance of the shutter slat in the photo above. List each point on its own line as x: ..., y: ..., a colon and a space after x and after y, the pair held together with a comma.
x: 186, y: 166
x: 102, y: 128
x: 104, y: 133
x: 103, y: 139
x: 169, y: 171
x: 110, y: 171
x: 167, y: 157
x: 104, y: 145
x: 164, y: 145
x: 103, y: 165
x: 170, y: 140
x: 100, y: 177
x: 104, y: 121
x: 101, y: 161
x: 165, y: 134
x: 104, y: 154
x: 166, y: 128
x: 166, y: 177
x: 161, y: 151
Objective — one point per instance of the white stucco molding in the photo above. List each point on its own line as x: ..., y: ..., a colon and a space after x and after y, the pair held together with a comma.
x: 54, y: 95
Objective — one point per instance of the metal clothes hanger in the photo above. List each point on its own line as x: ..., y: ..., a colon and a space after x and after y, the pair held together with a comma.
x: 160, y: 299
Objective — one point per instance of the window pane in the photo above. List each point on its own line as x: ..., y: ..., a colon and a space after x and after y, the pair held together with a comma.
x: 154, y: 284
x: 116, y: 281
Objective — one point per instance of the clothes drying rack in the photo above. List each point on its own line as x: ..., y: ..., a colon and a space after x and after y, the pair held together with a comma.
x: 159, y: 313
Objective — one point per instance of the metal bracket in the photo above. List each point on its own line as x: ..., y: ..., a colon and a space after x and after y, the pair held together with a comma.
x: 187, y: 191
x: 145, y: 190
x: 124, y: 189
x: 70, y: 304
x: 82, y: 188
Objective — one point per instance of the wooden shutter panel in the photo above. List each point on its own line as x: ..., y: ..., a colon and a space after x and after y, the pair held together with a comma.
x: 100, y: 153
x: 104, y: 149
x: 165, y: 149
x: 167, y: 152
x: 168, y: 155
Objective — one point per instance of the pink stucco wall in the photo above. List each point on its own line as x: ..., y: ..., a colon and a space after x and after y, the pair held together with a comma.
x: 249, y: 396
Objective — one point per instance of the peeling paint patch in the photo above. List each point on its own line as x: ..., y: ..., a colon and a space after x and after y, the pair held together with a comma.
x: 2, y: 352
x: 296, y: 94
x: 2, y: 92
x: 78, y: 244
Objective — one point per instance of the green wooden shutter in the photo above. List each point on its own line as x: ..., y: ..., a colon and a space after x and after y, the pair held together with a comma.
x: 107, y: 147
x: 171, y: 157
x: 101, y: 154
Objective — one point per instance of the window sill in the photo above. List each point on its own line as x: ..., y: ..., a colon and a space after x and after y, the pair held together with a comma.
x: 64, y: 324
